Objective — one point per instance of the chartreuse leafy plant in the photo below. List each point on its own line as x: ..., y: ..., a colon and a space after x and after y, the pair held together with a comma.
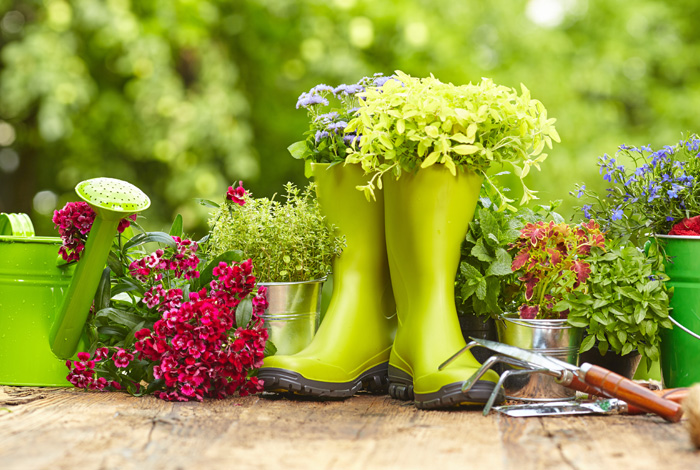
x: 486, y: 284
x: 551, y: 260
x: 409, y: 123
x: 625, y: 305
x: 287, y: 241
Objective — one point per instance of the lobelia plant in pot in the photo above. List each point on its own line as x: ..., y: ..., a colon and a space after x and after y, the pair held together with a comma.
x: 427, y: 145
x: 653, y: 199
x: 291, y: 250
x: 167, y: 320
x: 351, y: 349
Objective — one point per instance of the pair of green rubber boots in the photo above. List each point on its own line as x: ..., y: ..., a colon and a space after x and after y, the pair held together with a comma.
x: 391, y: 320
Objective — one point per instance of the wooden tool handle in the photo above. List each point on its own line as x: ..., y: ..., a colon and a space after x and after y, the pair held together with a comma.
x: 619, y: 387
x: 672, y: 394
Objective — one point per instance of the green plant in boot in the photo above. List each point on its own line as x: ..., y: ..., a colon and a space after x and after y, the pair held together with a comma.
x: 435, y: 141
x: 351, y: 348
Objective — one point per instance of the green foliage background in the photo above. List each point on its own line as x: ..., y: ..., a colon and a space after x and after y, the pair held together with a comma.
x: 183, y: 97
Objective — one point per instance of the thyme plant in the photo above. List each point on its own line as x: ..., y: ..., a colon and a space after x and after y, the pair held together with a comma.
x: 286, y: 241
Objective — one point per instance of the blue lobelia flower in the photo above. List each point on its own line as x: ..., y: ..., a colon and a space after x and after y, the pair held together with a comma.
x: 645, y: 148
x: 580, y: 191
x: 673, y: 192
x: 617, y: 213
x: 586, y: 208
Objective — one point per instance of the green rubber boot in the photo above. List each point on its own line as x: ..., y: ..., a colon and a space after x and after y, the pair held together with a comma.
x: 351, y: 348
x: 427, y: 217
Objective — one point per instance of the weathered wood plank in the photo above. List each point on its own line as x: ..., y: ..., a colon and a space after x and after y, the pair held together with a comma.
x: 68, y: 429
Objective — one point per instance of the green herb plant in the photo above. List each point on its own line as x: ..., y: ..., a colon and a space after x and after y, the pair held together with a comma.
x: 287, y: 241
x: 626, y: 303
x: 409, y: 123
x: 486, y: 284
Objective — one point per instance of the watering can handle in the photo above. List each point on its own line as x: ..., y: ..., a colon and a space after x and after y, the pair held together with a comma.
x: 19, y: 225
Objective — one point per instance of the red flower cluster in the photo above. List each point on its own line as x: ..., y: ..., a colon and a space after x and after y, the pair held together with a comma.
x: 74, y: 222
x: 688, y: 227
x: 182, y: 261
x: 198, y: 349
x: 236, y: 194
x: 82, y: 371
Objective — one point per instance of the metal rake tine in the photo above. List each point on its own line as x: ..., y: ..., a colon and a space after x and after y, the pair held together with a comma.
x: 489, y: 363
x: 449, y: 361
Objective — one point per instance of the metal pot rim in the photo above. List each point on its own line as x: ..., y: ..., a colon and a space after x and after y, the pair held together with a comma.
x: 679, y: 237
x: 311, y: 281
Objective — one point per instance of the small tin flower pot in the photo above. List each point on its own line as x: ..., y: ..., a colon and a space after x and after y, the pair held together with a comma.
x: 555, y: 338
x: 293, y: 314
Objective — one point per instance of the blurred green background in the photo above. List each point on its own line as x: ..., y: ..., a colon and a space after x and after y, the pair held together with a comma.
x: 184, y: 97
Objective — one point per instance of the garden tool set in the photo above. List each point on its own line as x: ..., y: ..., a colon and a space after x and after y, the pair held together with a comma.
x: 44, y: 304
x: 587, y: 378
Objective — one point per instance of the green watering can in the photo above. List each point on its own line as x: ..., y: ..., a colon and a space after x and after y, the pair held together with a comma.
x: 44, y: 304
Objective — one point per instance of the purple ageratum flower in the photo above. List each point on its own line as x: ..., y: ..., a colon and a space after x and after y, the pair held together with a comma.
x: 617, y: 213
x: 350, y: 139
x: 320, y: 88
x: 327, y: 118
x: 337, y: 127
x: 348, y: 89
x: 320, y: 135
x: 305, y: 100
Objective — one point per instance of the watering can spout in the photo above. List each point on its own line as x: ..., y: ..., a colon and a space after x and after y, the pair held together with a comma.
x: 112, y: 200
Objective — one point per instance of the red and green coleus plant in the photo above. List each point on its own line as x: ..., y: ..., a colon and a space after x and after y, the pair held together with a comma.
x: 169, y: 322
x: 551, y: 262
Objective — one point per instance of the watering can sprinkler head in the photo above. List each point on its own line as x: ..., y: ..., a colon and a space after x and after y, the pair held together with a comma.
x: 112, y: 200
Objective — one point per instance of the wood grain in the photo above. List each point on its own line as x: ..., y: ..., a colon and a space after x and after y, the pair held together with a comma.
x: 68, y: 429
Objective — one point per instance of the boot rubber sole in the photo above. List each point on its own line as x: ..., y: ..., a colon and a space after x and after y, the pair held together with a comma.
x: 451, y: 395
x: 373, y: 380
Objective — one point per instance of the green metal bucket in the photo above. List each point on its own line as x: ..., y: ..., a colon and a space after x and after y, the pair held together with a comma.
x: 680, y: 346
x: 32, y: 287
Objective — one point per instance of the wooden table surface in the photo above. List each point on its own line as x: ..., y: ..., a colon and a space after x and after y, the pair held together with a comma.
x: 71, y: 429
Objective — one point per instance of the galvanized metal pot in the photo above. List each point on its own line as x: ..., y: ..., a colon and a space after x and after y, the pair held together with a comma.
x: 555, y: 338
x: 294, y: 313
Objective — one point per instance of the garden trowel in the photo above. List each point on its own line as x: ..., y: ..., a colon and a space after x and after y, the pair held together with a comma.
x: 587, y: 378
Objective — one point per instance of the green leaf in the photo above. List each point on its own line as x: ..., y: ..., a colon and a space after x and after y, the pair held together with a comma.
x: 481, y: 289
x: 207, y: 203
x: 469, y: 271
x: 578, y: 322
x: 481, y: 252
x: 502, y: 265
x: 149, y: 237
x: 176, y: 227
x: 298, y: 149
x: 465, y: 149
x: 270, y: 349
x: 587, y: 343
x: 103, y: 294
x: 244, y: 312
x: 627, y: 348
x: 115, y: 264
x: 121, y: 317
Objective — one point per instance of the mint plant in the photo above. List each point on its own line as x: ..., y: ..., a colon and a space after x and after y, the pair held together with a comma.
x: 409, y: 123
x: 626, y: 303
x: 286, y: 241
x: 486, y: 284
